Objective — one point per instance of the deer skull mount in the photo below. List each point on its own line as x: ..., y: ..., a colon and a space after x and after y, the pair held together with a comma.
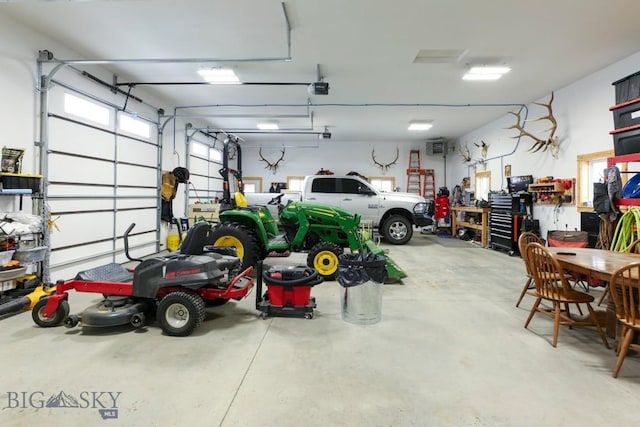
x: 483, y: 149
x: 385, y: 166
x: 552, y: 142
x: 273, y: 167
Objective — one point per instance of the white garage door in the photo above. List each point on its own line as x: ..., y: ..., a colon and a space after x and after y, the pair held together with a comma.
x: 103, y: 174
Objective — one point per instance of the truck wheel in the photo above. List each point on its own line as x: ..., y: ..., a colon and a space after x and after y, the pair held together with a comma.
x: 240, y: 237
x: 323, y: 257
x: 397, y: 230
x: 180, y: 313
x: 61, y: 313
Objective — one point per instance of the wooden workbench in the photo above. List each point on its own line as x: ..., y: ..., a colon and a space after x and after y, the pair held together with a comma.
x: 482, y: 226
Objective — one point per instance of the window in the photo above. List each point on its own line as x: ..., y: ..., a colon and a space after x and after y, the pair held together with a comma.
x: 133, y: 125
x: 216, y: 156
x: 252, y: 184
x: 483, y: 185
x: 590, y: 169
x: 198, y: 149
x: 86, y: 109
x: 383, y: 183
x: 294, y: 183
x: 324, y: 185
x: 350, y: 186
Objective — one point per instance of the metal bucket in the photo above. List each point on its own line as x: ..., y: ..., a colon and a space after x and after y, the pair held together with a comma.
x: 362, y: 304
x: 362, y: 278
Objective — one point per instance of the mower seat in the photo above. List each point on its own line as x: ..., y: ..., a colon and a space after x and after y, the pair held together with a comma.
x: 196, y: 239
x: 111, y: 272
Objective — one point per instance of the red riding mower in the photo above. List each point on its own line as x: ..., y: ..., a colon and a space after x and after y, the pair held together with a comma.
x: 175, y: 288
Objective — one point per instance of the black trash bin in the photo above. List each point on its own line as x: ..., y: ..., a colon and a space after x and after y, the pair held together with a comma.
x: 362, y: 277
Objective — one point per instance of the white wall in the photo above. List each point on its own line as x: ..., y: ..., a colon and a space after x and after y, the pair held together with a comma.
x: 340, y: 158
x: 584, y: 122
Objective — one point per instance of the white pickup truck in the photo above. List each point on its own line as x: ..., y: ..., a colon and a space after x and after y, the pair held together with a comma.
x: 394, y: 214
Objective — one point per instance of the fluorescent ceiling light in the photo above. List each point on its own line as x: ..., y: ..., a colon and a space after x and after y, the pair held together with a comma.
x: 470, y: 76
x: 268, y: 126
x: 220, y: 76
x: 420, y: 125
x: 489, y: 70
x: 486, y: 73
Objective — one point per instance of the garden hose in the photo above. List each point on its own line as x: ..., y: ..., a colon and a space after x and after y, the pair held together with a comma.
x: 627, y: 230
x: 604, y: 233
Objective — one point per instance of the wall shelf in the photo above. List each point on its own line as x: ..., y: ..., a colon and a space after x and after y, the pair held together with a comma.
x: 553, y: 193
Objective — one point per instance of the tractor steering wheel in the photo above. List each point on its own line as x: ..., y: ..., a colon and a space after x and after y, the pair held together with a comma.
x: 276, y: 200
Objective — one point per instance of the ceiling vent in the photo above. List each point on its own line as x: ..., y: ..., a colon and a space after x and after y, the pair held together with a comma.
x: 439, y: 56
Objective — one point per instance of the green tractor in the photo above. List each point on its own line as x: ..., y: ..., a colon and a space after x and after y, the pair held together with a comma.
x: 322, y: 231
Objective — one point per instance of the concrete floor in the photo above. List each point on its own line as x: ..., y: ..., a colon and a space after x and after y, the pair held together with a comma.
x: 451, y: 350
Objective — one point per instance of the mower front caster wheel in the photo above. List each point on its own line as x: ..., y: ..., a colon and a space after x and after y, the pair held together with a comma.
x: 56, y: 319
x: 180, y: 313
x: 308, y: 315
x: 138, y: 320
x: 72, y: 321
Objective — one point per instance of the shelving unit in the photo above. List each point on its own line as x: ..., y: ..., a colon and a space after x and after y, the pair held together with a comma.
x: 626, y: 158
x: 553, y: 193
x: 482, y: 227
x: 20, y: 279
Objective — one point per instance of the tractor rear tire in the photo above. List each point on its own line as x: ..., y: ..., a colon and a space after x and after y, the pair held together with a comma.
x: 397, y: 230
x: 180, y: 313
x: 240, y: 237
x: 324, y: 257
x: 56, y: 319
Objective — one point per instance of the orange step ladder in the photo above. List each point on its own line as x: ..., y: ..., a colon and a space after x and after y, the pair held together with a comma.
x: 429, y: 185
x: 415, y: 174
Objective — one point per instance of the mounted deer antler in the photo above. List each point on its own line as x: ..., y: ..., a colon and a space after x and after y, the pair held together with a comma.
x: 465, y: 154
x: 551, y: 142
x: 385, y: 166
x: 271, y: 166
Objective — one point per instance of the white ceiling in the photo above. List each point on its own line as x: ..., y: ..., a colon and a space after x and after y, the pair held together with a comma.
x: 365, y: 50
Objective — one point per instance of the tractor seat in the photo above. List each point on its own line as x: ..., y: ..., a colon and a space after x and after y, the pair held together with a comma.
x: 241, y: 201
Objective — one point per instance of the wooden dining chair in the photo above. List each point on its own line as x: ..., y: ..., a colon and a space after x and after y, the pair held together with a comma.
x: 553, y: 287
x: 524, y: 239
x: 633, y: 248
x: 624, y: 288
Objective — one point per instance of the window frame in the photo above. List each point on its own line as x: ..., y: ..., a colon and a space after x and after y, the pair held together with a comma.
x: 255, y: 180
x: 583, y: 162
x: 482, y: 176
x: 391, y: 179
x: 295, y: 179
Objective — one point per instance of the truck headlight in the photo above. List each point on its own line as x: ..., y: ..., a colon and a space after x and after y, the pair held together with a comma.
x: 420, y: 208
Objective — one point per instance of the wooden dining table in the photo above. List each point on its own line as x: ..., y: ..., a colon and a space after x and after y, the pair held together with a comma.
x: 597, y: 263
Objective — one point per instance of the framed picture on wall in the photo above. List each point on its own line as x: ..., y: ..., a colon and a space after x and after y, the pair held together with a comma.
x: 507, y: 170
